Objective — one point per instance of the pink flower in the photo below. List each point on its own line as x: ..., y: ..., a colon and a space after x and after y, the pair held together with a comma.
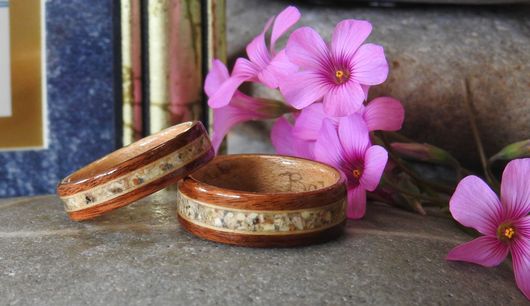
x: 265, y: 65
x: 340, y: 74
x: 505, y: 224
x: 241, y: 107
x: 348, y: 149
x: 286, y: 143
x: 381, y: 114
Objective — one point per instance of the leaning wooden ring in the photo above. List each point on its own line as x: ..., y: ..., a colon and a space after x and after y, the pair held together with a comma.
x: 263, y: 201
x: 135, y: 171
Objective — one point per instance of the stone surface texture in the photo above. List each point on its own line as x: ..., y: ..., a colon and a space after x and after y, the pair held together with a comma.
x: 431, y: 50
x: 139, y: 255
x: 80, y: 99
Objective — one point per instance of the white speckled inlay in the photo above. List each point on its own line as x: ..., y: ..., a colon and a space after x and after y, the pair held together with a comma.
x: 278, y: 222
x: 139, y: 177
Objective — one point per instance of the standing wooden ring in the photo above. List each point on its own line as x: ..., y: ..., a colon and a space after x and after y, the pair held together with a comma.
x: 263, y: 201
x: 135, y: 171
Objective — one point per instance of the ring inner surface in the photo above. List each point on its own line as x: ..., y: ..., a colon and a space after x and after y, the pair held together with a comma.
x: 267, y: 174
x: 101, y: 166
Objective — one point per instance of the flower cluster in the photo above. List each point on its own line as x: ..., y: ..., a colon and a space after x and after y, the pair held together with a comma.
x: 325, y: 116
x: 325, y: 87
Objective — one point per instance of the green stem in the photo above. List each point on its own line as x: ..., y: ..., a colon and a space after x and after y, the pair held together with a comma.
x: 410, y: 172
x: 399, y: 137
x: 476, y: 136
x: 416, y: 195
x: 461, y: 171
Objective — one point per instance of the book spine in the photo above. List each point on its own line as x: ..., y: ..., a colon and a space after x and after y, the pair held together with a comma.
x: 136, y: 51
x: 158, y: 41
x: 185, y: 61
x: 216, y: 49
x: 126, y: 72
x: 183, y: 37
x: 216, y: 37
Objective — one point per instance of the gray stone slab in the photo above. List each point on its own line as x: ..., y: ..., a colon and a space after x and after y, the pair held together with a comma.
x: 139, y: 255
x: 431, y: 50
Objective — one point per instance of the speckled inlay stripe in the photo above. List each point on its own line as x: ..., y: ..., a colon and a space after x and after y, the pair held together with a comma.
x: 279, y: 222
x: 139, y: 177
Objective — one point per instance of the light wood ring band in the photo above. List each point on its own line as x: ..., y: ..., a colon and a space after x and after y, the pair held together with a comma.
x: 135, y: 171
x: 263, y: 201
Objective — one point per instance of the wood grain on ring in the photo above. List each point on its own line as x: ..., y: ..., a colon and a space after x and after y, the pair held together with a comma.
x: 197, y: 185
x: 262, y: 241
x: 135, y: 171
x: 263, y: 201
x: 72, y: 184
x: 140, y: 193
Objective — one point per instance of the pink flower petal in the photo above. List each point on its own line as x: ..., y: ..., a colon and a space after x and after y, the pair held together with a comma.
x: 226, y: 117
x: 374, y: 164
x: 268, y: 78
x: 348, y: 37
x: 356, y: 202
x: 281, y: 129
x: 521, y: 264
x: 475, y: 205
x: 328, y: 148
x: 369, y: 65
x: 305, y: 149
x: 286, y: 19
x: 215, y: 78
x: 306, y: 48
x: 515, y: 188
x: 278, y: 69
x: 522, y: 227
x: 343, y: 100
x: 365, y: 88
x: 257, y: 51
x: 309, y: 122
x: 354, y: 137
x: 225, y: 93
x: 385, y: 114
x: 485, y: 250
x: 286, y: 144
x: 244, y: 70
x: 520, y: 249
x: 302, y: 88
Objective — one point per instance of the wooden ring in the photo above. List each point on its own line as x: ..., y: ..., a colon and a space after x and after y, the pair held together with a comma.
x: 135, y: 171
x: 263, y: 201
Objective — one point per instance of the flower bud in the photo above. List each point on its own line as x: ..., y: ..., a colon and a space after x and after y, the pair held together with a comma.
x: 513, y: 151
x: 423, y: 152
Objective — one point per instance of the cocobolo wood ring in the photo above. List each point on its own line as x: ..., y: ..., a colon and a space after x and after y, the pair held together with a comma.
x: 263, y: 201
x: 135, y: 171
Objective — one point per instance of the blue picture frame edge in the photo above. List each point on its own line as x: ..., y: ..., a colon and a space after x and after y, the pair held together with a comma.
x: 83, y: 116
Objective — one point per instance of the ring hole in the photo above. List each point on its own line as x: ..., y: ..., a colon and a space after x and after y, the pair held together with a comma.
x: 106, y: 164
x: 267, y: 174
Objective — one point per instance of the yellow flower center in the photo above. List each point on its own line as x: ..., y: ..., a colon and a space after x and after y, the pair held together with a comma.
x: 506, y: 232
x: 341, y: 76
x: 509, y: 232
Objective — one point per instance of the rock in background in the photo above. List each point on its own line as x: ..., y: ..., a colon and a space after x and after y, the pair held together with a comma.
x: 431, y: 51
